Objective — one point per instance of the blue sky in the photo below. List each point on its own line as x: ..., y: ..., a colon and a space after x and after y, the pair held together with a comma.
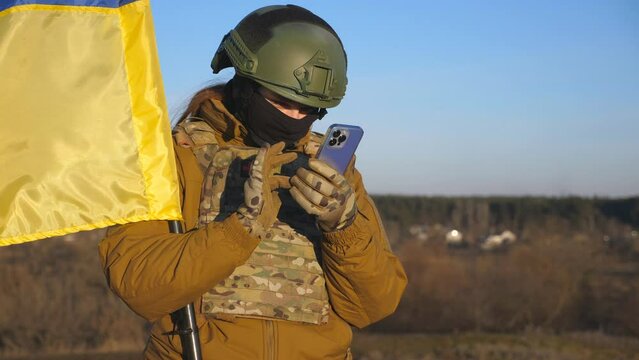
x: 461, y: 97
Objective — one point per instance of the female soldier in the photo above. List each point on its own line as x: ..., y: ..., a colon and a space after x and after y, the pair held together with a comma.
x: 279, y: 258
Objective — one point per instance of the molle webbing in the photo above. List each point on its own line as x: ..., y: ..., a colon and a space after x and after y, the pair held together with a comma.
x: 282, y: 279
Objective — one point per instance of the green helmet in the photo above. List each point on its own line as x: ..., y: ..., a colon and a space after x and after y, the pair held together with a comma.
x: 290, y: 51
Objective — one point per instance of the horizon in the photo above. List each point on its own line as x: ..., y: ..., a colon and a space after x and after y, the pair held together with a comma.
x: 533, y: 98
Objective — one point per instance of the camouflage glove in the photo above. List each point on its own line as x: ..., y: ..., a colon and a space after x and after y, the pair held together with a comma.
x: 324, y: 192
x: 260, y: 208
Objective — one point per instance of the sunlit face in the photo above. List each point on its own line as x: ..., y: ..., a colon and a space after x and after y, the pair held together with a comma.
x: 289, y: 108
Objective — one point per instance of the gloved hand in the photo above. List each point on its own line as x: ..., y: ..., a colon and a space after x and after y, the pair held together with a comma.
x: 260, y: 207
x: 324, y: 192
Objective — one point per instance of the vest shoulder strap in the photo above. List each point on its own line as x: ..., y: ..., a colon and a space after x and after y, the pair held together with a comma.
x: 200, y: 137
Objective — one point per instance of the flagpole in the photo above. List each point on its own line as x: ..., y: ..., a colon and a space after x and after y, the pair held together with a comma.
x: 184, y: 318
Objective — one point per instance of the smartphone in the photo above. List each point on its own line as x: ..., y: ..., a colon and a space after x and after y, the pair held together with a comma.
x: 339, y: 145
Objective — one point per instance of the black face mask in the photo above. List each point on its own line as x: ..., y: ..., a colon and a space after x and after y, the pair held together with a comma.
x: 269, y: 124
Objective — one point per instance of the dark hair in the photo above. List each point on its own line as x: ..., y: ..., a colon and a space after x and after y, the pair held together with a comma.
x: 235, y: 95
x: 213, y: 91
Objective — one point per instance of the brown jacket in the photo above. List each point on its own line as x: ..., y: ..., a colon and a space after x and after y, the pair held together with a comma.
x: 156, y: 272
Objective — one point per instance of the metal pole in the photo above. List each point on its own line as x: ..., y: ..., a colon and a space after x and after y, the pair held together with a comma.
x: 184, y: 318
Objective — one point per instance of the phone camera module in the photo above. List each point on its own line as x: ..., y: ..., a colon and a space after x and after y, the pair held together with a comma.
x: 337, y: 137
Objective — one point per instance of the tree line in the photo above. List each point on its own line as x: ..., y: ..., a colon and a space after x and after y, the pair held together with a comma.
x: 568, y: 271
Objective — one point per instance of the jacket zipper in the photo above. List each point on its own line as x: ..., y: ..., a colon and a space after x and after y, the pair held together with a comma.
x: 269, y: 334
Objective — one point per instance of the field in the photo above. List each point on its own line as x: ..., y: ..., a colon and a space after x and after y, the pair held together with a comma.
x: 482, y: 346
x: 530, y: 345
x: 572, y: 276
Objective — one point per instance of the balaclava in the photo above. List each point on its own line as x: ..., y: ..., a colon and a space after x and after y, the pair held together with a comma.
x: 264, y: 121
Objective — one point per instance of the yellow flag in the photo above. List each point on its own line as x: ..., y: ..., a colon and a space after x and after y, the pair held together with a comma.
x: 84, y: 132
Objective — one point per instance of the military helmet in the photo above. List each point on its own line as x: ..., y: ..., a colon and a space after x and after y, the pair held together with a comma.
x: 290, y: 51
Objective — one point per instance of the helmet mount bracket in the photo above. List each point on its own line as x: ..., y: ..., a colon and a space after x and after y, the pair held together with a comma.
x: 315, y: 77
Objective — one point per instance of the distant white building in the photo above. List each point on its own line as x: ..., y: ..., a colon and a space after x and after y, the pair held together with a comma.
x: 508, y: 237
x: 454, y: 238
x: 493, y: 242
x: 420, y: 232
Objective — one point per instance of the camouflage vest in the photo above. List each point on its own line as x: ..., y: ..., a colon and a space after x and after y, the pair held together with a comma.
x: 282, y: 279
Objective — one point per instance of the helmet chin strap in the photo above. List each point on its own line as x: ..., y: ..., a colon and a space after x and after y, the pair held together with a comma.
x: 242, y: 90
